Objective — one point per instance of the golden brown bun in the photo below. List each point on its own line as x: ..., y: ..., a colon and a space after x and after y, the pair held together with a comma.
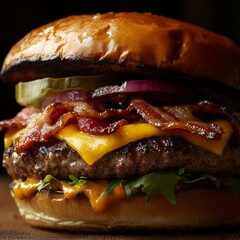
x: 196, y: 208
x: 122, y: 43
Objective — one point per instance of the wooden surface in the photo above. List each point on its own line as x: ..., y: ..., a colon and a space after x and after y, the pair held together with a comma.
x: 13, y: 227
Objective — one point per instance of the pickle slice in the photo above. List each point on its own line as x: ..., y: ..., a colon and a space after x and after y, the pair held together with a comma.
x: 34, y: 92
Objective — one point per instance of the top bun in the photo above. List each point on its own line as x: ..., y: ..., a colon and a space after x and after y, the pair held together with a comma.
x: 139, y: 43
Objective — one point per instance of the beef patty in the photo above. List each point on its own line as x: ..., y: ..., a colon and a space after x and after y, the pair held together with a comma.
x: 138, y: 158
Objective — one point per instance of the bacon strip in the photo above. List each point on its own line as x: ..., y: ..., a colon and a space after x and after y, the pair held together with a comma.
x: 21, y: 119
x: 206, y: 109
x: 56, y: 116
x: 97, y: 127
x: 97, y: 120
x: 41, y: 128
x: 212, y: 132
x: 168, y: 118
x: 153, y: 115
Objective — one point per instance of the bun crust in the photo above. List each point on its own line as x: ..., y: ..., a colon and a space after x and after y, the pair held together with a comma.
x: 139, y: 43
x: 196, y: 208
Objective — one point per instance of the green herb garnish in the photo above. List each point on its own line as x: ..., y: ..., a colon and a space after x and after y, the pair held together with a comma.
x: 77, y: 181
x: 111, y: 186
x: 162, y: 181
x: 46, y: 181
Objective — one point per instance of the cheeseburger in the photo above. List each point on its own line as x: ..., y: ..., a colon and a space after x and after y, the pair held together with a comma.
x: 129, y: 121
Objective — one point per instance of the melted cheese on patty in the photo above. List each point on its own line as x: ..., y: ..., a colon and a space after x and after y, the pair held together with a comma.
x: 93, y: 147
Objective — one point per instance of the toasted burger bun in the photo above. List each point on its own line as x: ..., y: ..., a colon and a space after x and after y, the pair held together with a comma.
x: 195, y: 208
x: 143, y: 44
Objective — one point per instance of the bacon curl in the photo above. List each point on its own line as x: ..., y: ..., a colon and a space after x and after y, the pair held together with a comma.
x: 41, y: 126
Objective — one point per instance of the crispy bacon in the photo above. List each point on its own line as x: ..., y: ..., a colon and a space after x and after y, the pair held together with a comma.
x: 41, y: 128
x: 21, y: 119
x: 175, y: 118
x: 97, y: 126
x: 212, y: 132
x: 98, y: 120
x: 206, y: 109
x: 159, y: 115
x: 56, y: 116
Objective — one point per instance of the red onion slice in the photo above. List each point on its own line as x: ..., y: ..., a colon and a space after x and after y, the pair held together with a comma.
x: 67, y: 96
x: 163, y: 89
x: 152, y: 86
x: 144, y: 86
x: 155, y: 90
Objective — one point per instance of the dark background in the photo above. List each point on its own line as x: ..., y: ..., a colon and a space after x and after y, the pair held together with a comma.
x: 19, y: 17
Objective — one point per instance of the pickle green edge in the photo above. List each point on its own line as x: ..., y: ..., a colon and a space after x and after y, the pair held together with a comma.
x: 34, y: 92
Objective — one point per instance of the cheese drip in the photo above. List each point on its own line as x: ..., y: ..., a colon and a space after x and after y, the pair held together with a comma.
x: 91, y: 189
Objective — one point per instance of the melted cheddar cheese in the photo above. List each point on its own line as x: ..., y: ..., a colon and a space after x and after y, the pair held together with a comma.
x: 10, y: 135
x: 93, y: 147
x: 91, y: 189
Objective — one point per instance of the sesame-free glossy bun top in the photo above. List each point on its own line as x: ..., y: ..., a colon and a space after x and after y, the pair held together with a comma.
x: 139, y: 43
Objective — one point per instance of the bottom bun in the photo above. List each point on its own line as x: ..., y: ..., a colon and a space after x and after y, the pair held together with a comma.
x: 195, y: 208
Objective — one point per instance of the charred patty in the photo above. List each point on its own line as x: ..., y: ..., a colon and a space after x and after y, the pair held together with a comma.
x: 138, y: 158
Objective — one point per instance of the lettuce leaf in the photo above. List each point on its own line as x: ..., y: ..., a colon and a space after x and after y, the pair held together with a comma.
x: 163, y: 182
x: 160, y: 181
